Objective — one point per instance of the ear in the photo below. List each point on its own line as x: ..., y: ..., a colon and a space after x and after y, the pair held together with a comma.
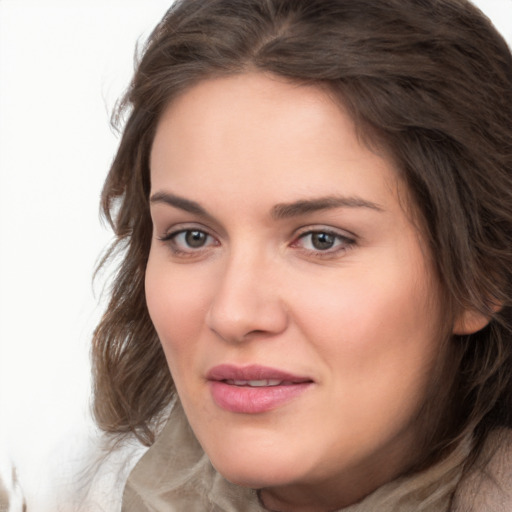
x: 469, y: 321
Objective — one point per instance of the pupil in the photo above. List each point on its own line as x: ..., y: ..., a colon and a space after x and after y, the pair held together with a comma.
x: 322, y: 241
x: 195, y: 238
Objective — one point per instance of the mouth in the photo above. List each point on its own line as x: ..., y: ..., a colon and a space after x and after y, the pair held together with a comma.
x: 254, y: 389
x: 258, y: 383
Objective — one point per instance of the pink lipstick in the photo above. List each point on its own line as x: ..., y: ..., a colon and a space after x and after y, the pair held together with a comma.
x: 254, y: 389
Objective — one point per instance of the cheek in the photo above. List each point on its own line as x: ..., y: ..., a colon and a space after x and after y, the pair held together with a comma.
x: 378, y: 333
x: 177, y: 301
x: 363, y: 310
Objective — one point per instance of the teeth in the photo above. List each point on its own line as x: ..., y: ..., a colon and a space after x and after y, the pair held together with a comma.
x: 256, y: 383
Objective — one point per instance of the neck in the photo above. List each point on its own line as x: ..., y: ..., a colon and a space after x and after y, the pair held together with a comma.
x: 340, y: 491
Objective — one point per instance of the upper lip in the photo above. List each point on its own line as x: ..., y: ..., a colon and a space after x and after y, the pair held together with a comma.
x: 252, y: 372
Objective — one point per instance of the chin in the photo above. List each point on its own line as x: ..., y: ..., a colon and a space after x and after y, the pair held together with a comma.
x: 255, y: 478
x: 257, y: 468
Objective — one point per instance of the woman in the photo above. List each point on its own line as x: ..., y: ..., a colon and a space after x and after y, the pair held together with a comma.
x: 312, y: 311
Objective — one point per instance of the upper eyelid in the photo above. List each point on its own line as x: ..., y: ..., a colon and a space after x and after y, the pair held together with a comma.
x: 297, y: 233
x: 169, y: 240
x: 166, y: 226
x: 343, y: 233
x: 165, y: 213
x: 343, y: 238
x: 188, y: 226
x: 346, y: 243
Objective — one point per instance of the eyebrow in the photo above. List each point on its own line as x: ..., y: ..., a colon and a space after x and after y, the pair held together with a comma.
x: 179, y: 202
x: 305, y: 206
x: 279, y: 211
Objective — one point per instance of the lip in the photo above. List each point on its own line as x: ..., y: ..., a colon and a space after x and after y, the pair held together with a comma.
x: 240, y: 397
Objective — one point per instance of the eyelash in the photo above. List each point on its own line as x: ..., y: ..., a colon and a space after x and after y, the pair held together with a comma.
x: 170, y: 240
x: 342, y: 242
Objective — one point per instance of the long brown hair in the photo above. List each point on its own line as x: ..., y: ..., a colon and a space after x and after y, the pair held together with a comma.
x: 428, y: 80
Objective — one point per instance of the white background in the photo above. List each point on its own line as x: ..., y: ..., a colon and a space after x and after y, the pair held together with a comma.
x: 63, y: 64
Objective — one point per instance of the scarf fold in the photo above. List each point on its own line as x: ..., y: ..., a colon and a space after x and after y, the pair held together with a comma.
x: 175, y: 475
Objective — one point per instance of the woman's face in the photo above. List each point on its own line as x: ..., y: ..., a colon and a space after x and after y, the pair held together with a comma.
x: 297, y: 308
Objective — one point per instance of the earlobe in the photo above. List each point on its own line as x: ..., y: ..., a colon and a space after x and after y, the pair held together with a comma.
x: 469, y: 321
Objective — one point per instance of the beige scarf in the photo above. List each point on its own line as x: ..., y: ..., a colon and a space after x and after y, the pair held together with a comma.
x: 175, y: 475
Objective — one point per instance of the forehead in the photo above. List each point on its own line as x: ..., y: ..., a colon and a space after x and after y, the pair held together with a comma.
x: 257, y: 127
x: 269, y: 108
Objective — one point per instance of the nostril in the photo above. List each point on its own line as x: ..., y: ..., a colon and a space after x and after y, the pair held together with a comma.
x: 255, y: 332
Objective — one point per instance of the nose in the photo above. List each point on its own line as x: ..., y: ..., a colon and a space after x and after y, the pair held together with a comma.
x: 247, y: 302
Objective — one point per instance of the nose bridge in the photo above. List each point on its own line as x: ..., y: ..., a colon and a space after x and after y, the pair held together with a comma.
x: 246, y: 299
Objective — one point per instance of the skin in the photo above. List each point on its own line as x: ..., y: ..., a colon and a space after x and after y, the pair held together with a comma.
x: 363, y: 319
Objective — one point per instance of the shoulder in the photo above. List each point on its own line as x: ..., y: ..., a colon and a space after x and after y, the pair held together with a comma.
x: 488, y: 485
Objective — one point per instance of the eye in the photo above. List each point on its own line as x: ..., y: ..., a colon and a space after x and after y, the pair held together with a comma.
x: 323, y: 241
x: 188, y: 241
x: 193, y: 239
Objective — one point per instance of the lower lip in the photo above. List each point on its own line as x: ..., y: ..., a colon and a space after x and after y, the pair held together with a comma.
x: 254, y: 400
